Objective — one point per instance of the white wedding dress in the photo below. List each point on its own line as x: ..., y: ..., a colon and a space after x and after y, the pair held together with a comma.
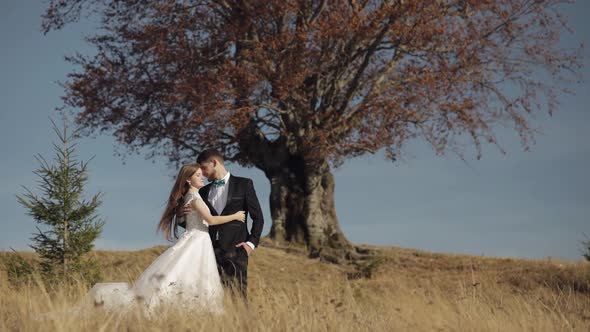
x: 184, y: 276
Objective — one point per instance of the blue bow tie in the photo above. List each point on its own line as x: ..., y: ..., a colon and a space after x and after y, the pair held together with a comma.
x: 219, y: 183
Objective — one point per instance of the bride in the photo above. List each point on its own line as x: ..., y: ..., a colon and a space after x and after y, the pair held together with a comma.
x: 186, y: 273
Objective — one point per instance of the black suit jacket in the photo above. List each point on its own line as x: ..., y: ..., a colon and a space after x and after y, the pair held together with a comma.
x: 241, y: 196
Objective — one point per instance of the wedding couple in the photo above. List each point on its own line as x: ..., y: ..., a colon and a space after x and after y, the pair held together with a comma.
x: 213, y: 251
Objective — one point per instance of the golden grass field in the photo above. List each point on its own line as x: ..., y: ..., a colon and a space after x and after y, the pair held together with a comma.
x: 410, y: 291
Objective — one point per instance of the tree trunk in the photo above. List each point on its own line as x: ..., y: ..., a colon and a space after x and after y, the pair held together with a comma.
x: 65, y: 250
x: 302, y: 206
x: 301, y: 195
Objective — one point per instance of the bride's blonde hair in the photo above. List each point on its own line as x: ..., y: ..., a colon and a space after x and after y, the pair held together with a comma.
x: 169, y: 223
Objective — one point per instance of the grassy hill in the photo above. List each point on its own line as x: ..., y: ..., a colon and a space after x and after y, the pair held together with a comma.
x: 409, y: 290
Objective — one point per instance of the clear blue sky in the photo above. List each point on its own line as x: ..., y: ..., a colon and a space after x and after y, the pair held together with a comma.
x: 524, y: 204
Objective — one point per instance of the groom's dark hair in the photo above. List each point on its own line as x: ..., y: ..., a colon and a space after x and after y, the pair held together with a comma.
x: 208, y: 155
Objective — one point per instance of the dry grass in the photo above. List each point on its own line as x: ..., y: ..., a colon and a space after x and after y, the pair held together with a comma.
x: 410, y: 291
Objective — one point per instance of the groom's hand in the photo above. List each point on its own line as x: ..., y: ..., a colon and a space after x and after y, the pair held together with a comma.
x: 246, y: 247
x: 186, y: 209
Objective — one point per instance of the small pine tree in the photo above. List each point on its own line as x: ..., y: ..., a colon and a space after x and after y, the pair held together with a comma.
x: 72, y: 223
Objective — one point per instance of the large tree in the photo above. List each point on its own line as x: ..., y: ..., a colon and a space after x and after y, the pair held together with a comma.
x: 296, y: 87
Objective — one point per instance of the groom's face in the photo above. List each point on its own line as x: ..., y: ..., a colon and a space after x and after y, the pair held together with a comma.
x: 208, y: 169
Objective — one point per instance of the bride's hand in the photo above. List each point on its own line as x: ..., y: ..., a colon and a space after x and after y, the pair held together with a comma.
x: 240, y: 215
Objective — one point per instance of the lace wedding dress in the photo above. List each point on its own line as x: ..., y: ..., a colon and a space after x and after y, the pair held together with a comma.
x: 184, y: 276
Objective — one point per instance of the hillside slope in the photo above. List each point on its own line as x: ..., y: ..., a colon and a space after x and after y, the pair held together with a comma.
x: 408, y: 290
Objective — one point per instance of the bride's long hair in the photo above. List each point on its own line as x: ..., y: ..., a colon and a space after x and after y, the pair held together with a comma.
x: 169, y: 223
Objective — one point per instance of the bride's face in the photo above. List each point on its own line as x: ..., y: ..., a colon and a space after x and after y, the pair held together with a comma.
x: 197, y: 179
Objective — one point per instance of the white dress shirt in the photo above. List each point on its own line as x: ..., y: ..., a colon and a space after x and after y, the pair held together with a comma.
x: 218, y: 198
x: 218, y: 195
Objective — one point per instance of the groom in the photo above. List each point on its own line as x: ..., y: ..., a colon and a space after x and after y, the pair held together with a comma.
x: 225, y: 195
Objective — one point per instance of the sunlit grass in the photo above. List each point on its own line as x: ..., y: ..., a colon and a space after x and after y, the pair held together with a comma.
x: 410, y: 291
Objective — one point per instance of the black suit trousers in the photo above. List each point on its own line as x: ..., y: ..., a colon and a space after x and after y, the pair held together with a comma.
x: 233, y: 269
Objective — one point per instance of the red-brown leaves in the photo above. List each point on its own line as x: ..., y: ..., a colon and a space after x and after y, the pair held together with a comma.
x: 323, y: 79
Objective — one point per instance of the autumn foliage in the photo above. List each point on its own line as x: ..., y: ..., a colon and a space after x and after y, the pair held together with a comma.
x: 297, y: 87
